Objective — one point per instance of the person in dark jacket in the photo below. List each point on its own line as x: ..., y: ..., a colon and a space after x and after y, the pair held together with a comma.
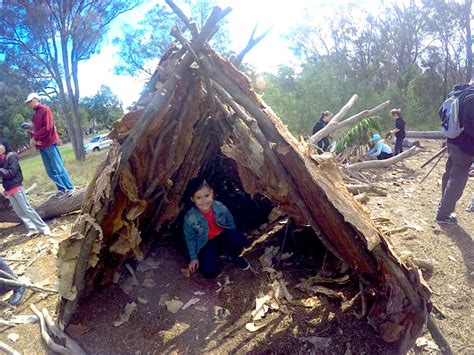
x: 45, y: 138
x: 12, y: 179
x: 460, y: 158
x: 325, y: 143
x: 399, y: 130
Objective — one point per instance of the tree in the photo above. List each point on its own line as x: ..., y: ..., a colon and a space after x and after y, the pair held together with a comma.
x: 46, y: 40
x: 142, y: 45
x: 103, y: 108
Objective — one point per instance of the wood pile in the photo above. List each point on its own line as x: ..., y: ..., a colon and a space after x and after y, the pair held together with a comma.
x: 203, y: 106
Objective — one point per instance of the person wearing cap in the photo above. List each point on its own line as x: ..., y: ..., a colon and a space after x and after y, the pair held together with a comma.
x: 45, y: 138
x: 380, y: 150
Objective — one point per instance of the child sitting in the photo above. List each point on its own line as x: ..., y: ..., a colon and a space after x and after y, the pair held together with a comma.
x: 12, y: 179
x: 380, y: 150
x: 210, y: 231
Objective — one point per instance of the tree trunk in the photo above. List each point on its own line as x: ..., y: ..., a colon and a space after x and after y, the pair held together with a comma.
x: 425, y: 134
x: 51, y: 208
x: 468, y: 14
x: 375, y: 164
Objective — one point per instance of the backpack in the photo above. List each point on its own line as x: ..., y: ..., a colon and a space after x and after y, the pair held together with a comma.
x: 449, y: 114
x: 457, y: 113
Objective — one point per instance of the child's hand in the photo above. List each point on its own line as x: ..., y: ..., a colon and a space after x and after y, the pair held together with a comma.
x: 193, y: 266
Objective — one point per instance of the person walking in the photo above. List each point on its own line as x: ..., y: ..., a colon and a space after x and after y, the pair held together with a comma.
x: 45, y: 138
x: 460, y: 157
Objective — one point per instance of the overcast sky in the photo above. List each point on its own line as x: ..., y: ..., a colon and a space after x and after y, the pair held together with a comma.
x: 272, y: 51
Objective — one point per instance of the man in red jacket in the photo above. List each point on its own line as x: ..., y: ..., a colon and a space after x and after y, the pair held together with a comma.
x: 45, y: 138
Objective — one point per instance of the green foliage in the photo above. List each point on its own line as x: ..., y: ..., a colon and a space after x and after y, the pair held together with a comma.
x: 101, y: 109
x: 359, y: 134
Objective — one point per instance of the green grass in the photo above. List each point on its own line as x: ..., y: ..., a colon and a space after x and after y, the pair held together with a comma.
x: 80, y: 172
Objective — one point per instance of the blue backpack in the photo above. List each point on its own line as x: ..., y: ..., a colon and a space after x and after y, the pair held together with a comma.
x: 449, y: 114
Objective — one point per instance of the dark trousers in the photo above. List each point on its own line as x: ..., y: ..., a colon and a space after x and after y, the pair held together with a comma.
x: 5, y: 268
x: 398, y: 145
x: 230, y: 243
x: 383, y: 156
x: 454, y: 179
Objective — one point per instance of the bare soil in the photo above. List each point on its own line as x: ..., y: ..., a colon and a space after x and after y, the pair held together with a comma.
x: 153, y: 329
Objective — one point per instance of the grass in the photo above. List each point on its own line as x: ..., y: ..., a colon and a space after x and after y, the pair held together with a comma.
x: 80, y: 172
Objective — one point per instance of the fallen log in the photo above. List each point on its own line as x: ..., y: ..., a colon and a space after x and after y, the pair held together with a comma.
x: 51, y: 208
x: 425, y: 134
x: 358, y: 188
x: 375, y: 164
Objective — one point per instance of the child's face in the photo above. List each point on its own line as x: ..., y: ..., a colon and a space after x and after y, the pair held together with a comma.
x: 203, y: 199
x: 2, y: 149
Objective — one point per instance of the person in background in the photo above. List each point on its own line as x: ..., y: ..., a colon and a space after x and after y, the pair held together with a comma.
x: 460, y: 158
x: 19, y: 293
x: 45, y: 138
x: 12, y: 178
x: 210, y: 231
x: 380, y: 150
x: 399, y: 129
x: 325, y: 143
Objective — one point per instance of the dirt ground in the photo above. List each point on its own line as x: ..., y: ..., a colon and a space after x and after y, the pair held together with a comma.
x: 332, y: 323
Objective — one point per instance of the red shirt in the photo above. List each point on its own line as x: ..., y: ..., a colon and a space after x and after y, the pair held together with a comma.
x: 214, y: 229
x: 45, y: 131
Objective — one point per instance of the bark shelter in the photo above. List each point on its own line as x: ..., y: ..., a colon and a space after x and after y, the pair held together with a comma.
x: 203, y: 106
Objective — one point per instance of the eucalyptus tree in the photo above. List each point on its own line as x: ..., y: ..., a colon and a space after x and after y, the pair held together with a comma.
x: 47, y: 39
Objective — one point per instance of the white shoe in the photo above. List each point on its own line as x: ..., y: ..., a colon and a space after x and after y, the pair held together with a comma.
x: 32, y: 233
x: 47, y: 233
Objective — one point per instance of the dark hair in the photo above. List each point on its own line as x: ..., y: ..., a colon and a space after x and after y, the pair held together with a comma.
x: 7, y: 145
x: 194, y: 186
x: 325, y: 114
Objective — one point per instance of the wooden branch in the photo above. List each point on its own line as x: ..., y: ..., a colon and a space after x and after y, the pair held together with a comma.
x: 438, y: 336
x: 51, y: 208
x: 338, y: 128
x: 71, y: 345
x: 45, y: 335
x: 343, y: 111
x: 375, y: 164
x: 425, y: 134
x: 252, y: 42
x: 362, y: 198
x: 8, y: 349
x: 358, y: 188
x: 434, y: 157
x: 190, y: 25
x: 21, y: 284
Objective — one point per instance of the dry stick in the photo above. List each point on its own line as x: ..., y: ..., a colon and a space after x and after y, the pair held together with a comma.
x: 437, y: 154
x: 438, y: 336
x: 372, y: 164
x: 252, y: 42
x: 8, y: 276
x: 434, y: 166
x: 283, y: 243
x: 45, y: 335
x: 32, y: 260
x: 194, y: 30
x: 32, y: 287
x: 6, y: 304
x: 8, y: 349
x: 71, y: 344
x: 358, y: 188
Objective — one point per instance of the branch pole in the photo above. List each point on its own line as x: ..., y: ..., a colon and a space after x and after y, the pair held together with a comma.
x: 373, y: 164
x: 32, y: 287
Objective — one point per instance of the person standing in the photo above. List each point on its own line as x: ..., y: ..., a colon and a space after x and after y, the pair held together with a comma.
x: 45, y: 138
x: 12, y: 179
x: 460, y: 157
x: 399, y: 129
x: 325, y: 143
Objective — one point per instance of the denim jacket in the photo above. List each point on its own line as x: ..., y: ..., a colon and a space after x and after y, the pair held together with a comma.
x: 196, y: 229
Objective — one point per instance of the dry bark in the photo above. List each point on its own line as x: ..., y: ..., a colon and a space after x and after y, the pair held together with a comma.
x: 120, y: 206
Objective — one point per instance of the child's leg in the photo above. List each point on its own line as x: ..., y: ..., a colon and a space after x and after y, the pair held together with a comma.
x: 17, y: 207
x: 208, y: 259
x: 232, y: 242
x: 29, y: 212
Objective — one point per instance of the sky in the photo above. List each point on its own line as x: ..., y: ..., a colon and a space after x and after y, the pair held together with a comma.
x: 281, y: 15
